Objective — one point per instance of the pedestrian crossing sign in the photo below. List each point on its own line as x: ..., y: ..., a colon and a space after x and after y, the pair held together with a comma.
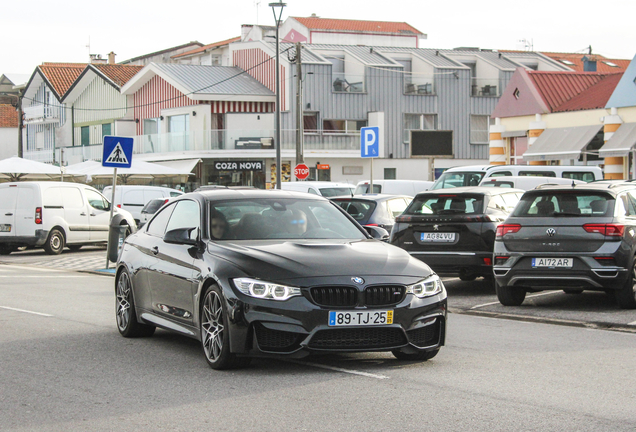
x: 117, y: 152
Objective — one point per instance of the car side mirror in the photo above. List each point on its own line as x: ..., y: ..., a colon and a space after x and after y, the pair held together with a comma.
x: 377, y: 233
x: 180, y: 236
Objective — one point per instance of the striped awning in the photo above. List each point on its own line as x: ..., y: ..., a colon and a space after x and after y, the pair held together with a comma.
x: 561, y: 143
x: 621, y: 143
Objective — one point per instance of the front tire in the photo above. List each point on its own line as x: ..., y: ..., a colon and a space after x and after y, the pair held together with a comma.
x: 420, y: 356
x: 55, y: 242
x: 125, y: 314
x: 510, y: 295
x: 215, y: 334
x: 626, y: 296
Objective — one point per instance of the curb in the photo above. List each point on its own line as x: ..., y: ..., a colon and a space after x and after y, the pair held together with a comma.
x: 625, y: 328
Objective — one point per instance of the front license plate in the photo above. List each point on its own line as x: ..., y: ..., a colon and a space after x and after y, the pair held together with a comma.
x: 5, y: 228
x: 552, y: 262
x: 437, y: 237
x: 365, y: 318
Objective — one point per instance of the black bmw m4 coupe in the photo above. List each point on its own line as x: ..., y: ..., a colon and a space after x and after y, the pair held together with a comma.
x: 253, y: 273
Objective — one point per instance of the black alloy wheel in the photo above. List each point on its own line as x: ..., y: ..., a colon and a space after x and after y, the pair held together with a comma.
x: 125, y: 314
x: 55, y: 242
x: 215, y: 336
x: 510, y: 295
x: 626, y: 296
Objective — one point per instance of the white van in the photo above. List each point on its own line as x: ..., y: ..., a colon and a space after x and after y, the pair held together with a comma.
x: 473, y: 175
x: 525, y: 182
x: 133, y: 198
x: 326, y: 189
x: 53, y: 215
x: 394, y: 187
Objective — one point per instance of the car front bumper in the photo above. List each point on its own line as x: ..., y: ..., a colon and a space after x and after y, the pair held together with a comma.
x: 298, y: 327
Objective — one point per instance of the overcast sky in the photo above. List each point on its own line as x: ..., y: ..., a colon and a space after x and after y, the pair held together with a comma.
x: 48, y: 31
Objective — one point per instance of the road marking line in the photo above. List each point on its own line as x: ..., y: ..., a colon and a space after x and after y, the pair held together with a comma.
x: 30, y: 267
x: 337, y: 369
x: 25, y: 311
x: 530, y: 296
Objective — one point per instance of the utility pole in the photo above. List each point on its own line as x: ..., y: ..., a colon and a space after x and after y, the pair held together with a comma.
x: 299, y: 106
x: 20, y: 125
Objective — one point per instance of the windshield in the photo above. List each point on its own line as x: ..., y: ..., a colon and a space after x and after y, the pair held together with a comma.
x: 445, y: 205
x: 458, y: 179
x: 364, y: 188
x: 273, y: 218
x: 582, y: 204
x: 336, y: 191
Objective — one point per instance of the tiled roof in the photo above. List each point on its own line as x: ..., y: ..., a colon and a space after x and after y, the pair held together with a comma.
x: 119, y: 74
x: 8, y: 116
x: 557, y: 88
x: 61, y: 75
x: 594, y: 97
x: 577, y: 59
x: 315, y: 23
x: 206, y: 47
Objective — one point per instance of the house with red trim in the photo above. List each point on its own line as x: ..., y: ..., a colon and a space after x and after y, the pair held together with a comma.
x: 567, y: 118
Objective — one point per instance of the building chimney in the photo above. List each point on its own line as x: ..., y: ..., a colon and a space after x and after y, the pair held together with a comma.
x: 111, y: 57
x: 589, y: 64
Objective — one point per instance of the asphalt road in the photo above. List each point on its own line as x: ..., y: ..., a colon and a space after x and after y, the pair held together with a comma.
x: 66, y: 368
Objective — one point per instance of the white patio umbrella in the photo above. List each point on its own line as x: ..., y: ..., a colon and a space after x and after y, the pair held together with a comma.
x: 138, y: 169
x: 19, y: 169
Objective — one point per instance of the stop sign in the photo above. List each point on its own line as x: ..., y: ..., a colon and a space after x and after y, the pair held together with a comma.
x: 301, y: 171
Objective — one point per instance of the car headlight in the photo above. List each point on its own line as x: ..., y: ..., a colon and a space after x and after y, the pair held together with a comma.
x: 425, y: 288
x: 265, y: 290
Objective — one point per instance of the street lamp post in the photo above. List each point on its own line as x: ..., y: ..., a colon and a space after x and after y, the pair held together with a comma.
x: 280, y: 5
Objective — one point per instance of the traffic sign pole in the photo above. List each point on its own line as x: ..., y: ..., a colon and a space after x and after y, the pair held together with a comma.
x: 112, y: 210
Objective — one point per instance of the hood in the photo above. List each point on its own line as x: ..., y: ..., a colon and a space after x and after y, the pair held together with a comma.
x: 276, y: 260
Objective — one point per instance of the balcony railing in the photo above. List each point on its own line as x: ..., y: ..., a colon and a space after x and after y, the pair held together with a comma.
x: 348, y: 83
x: 210, y: 140
x: 41, y: 114
x: 415, y: 84
x: 485, y: 87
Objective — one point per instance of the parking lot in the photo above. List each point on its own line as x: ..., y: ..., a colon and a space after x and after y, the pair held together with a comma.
x: 588, y: 309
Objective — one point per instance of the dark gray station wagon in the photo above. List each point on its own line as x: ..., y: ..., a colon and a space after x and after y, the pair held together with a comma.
x: 574, y: 238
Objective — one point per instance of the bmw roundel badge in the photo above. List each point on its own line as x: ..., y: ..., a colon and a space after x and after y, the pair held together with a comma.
x: 357, y: 280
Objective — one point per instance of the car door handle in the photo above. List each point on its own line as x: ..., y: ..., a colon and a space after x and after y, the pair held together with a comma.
x: 8, y: 214
x: 155, y: 250
x: 93, y: 214
x: 82, y: 214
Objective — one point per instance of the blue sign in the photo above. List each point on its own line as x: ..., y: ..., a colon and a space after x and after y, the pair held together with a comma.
x: 370, y: 142
x: 117, y: 152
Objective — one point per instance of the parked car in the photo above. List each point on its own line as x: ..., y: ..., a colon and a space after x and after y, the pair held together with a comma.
x: 322, y: 188
x: 133, y: 198
x: 395, y: 187
x: 151, y: 208
x: 454, y: 231
x: 526, y: 182
x: 573, y: 238
x: 475, y: 174
x: 274, y: 273
x: 375, y: 209
x: 52, y: 215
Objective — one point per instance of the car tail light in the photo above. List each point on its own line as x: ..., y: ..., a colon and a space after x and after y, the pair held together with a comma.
x: 612, y: 230
x: 504, y: 229
x: 166, y: 200
x: 38, y: 215
x: 403, y: 219
x: 118, y: 205
x: 371, y: 225
x: 501, y: 260
x: 488, y: 261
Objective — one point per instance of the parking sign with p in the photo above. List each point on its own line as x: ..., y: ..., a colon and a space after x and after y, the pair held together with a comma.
x: 370, y: 142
